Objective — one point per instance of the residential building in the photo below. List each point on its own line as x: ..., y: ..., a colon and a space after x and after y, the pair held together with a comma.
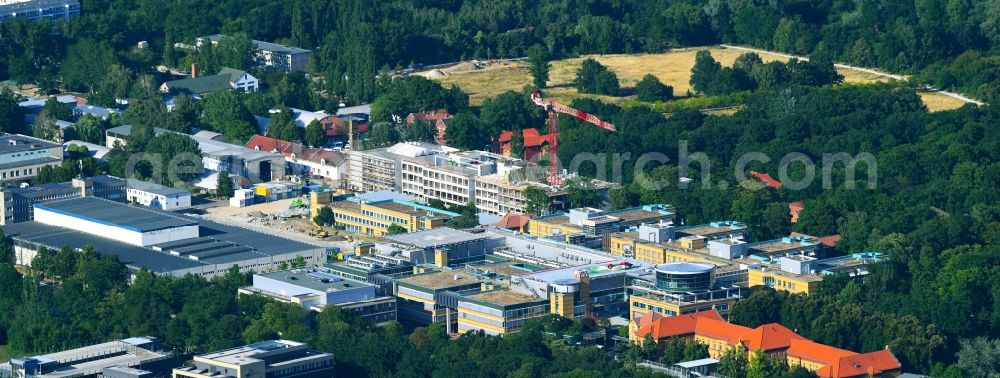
x: 304, y: 161
x: 158, y: 196
x: 536, y: 145
x: 270, y: 359
x: 437, y: 118
x: 272, y: 55
x: 22, y: 156
x: 598, y: 223
x: 314, y: 289
x: 227, y: 79
x: 19, y: 202
x: 775, y: 340
x: 374, y: 218
x: 52, y: 10
x: 133, y: 357
x: 162, y: 242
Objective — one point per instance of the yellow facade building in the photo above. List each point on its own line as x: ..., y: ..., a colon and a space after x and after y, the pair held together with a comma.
x: 374, y: 218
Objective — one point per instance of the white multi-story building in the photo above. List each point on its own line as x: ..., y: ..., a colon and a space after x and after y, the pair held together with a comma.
x: 54, y: 10
x: 280, y: 57
x: 156, y: 195
x: 22, y: 156
x: 381, y: 168
x: 452, y: 177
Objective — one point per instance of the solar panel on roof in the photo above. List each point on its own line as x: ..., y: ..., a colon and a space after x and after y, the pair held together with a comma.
x: 219, y: 252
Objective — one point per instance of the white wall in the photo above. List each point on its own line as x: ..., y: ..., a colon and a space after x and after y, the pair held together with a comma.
x: 113, y: 232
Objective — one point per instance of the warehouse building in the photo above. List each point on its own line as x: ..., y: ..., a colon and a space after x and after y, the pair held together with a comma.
x: 314, y: 289
x: 162, y: 242
x: 136, y: 357
x: 271, y: 359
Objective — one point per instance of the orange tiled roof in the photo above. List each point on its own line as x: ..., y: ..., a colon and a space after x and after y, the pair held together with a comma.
x: 721, y: 330
x: 660, y: 326
x: 769, y: 337
x: 859, y: 365
x: 767, y: 180
x: 513, y: 221
x: 796, y: 206
x: 816, y: 352
x: 532, y: 138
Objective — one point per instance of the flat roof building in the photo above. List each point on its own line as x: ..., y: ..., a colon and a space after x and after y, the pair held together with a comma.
x: 374, y: 218
x: 272, y: 55
x: 157, y: 196
x: 52, y: 10
x: 22, y: 156
x: 314, y: 289
x: 271, y: 359
x: 136, y: 357
x: 19, y: 201
x: 162, y: 242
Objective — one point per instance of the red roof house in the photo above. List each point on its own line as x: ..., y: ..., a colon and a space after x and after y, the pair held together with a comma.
x: 767, y: 180
x: 438, y: 118
x: 535, y: 144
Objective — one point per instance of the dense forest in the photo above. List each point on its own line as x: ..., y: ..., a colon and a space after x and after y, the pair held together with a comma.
x: 935, y: 208
x: 950, y: 44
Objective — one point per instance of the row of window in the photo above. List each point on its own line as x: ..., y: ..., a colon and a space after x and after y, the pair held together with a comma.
x: 18, y: 173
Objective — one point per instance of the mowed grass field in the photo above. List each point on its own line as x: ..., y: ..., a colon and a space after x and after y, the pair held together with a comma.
x: 672, y: 68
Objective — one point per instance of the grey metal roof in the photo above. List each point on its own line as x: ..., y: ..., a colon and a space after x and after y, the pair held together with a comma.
x: 162, y: 261
x: 16, y: 143
x: 267, y: 46
x: 155, y: 188
x: 313, y: 280
x: 141, y: 219
x: 436, y: 237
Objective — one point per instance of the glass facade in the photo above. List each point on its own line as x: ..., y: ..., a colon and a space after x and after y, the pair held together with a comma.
x: 683, y: 282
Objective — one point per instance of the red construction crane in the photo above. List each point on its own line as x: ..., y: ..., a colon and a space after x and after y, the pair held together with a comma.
x: 553, y: 107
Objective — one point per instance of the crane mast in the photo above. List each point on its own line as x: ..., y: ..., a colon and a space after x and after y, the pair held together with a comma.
x: 552, y: 108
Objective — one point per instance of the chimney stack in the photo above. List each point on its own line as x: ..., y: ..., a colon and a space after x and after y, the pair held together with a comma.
x: 350, y: 134
x: 194, y: 70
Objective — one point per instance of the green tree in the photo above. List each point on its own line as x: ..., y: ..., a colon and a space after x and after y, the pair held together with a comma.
x: 395, y: 229
x: 57, y: 110
x: 704, y: 72
x: 509, y: 110
x: 733, y: 362
x: 324, y: 216
x: 299, y: 262
x: 381, y: 134
x: 593, y: 77
x: 979, y: 357
x: 178, y: 157
x: 314, y: 134
x: 225, y: 113
x: 224, y: 185
x: 651, y: 89
x: 464, y: 133
x: 536, y: 201
x: 517, y: 144
x: 11, y: 116
x: 467, y: 216
x: 86, y: 64
x: 539, y: 65
x: 91, y: 129
x: 419, y: 130
x: 755, y: 366
x: 235, y: 51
